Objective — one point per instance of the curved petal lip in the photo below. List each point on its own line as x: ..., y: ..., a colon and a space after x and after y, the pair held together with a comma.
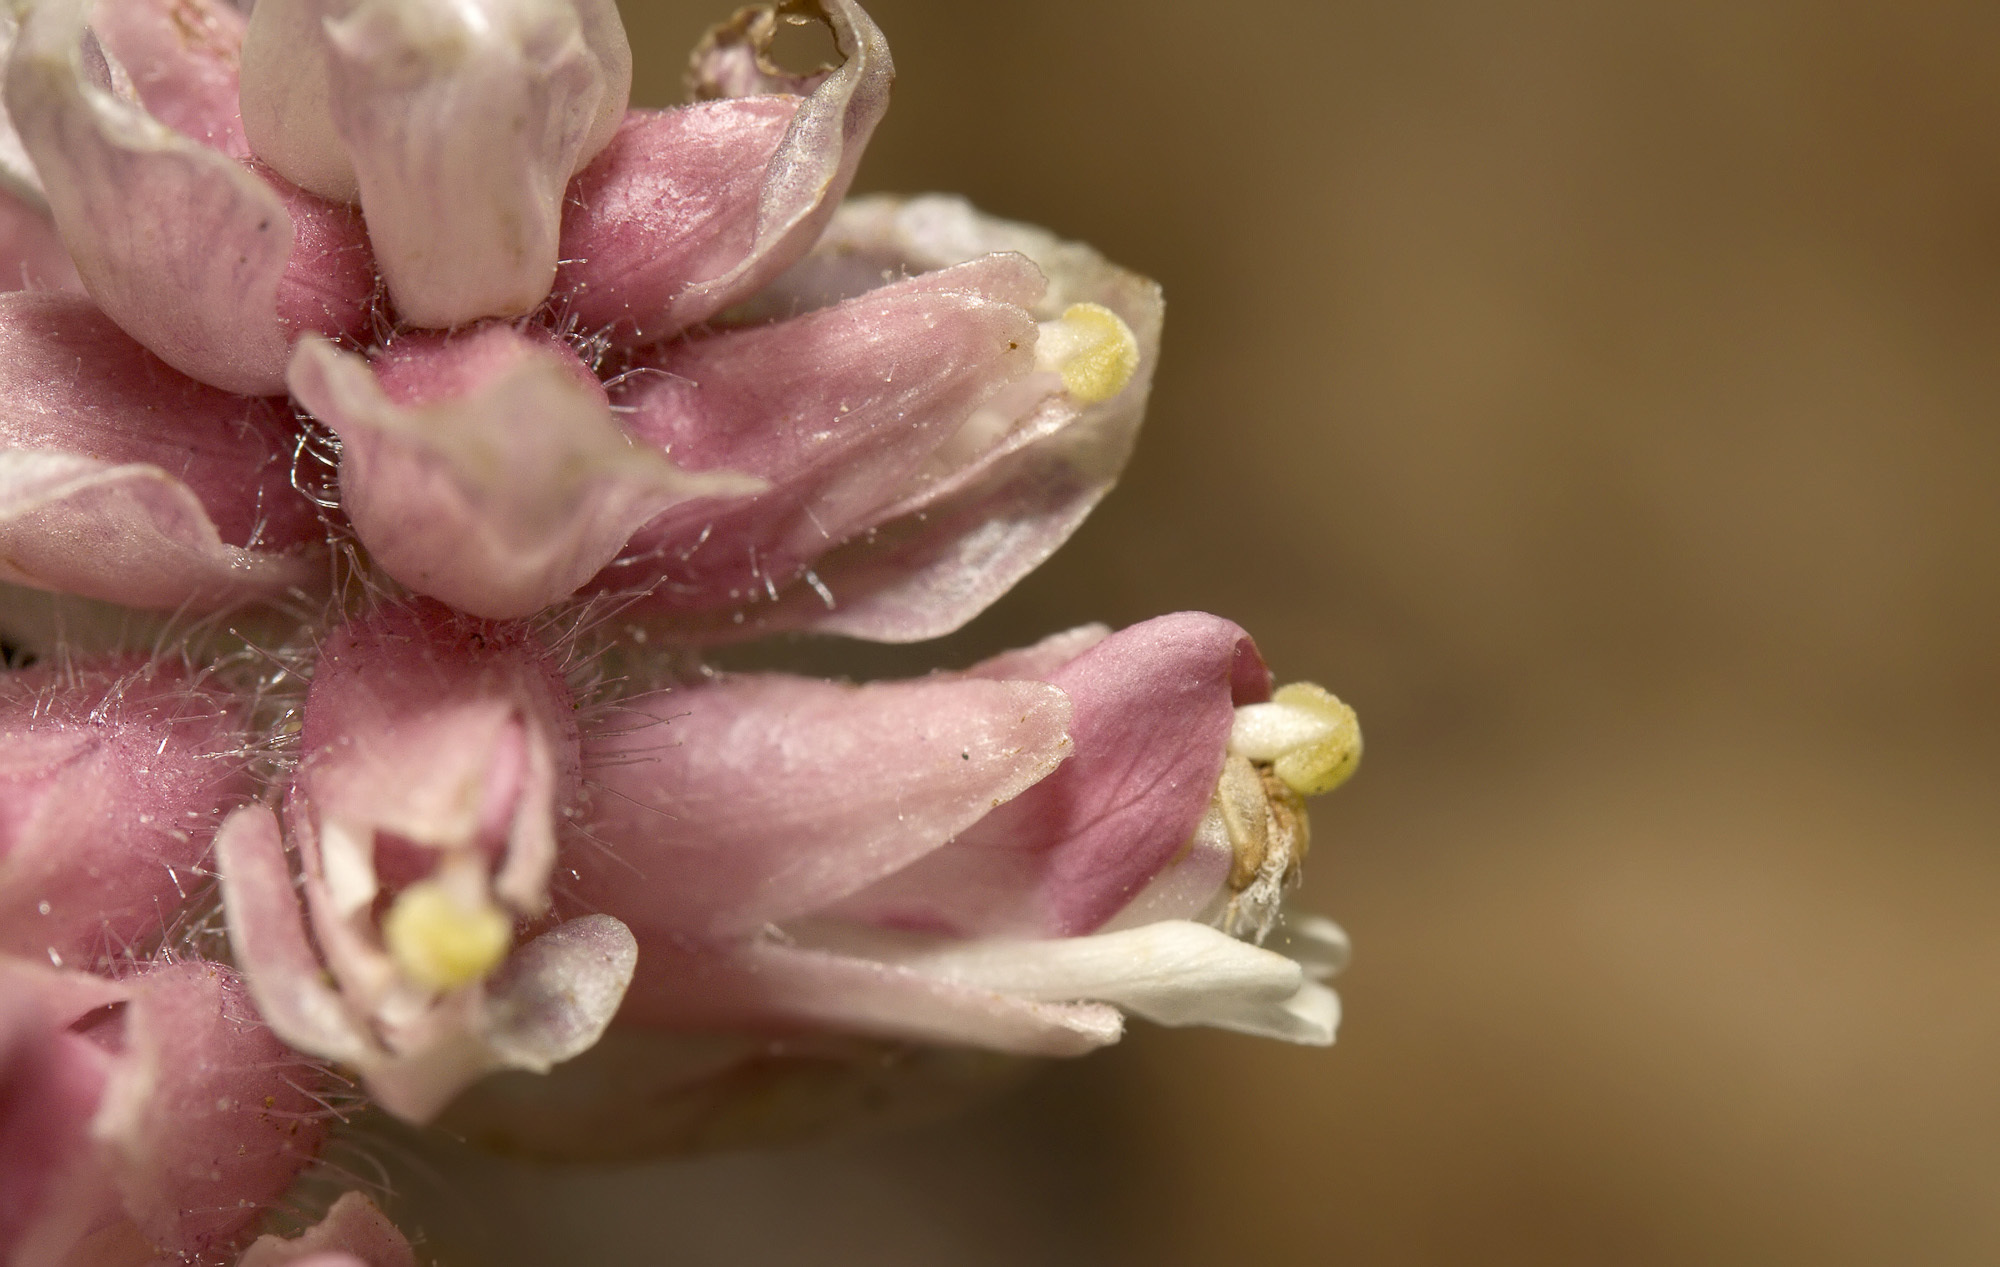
x: 127, y: 534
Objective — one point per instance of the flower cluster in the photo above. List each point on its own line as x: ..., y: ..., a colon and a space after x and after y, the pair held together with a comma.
x: 389, y: 419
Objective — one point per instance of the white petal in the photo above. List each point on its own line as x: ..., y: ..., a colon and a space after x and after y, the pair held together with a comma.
x: 1309, y: 1017
x: 553, y: 1000
x: 464, y: 123
x: 268, y: 936
x: 556, y: 996
x: 284, y: 97
x: 1173, y: 972
x: 17, y: 174
x: 1320, y: 945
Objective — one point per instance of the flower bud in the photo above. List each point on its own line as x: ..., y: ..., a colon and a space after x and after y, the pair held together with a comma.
x: 486, y: 469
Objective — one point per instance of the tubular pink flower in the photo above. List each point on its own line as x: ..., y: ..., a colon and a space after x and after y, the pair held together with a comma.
x: 149, y: 1117
x: 981, y: 916
x: 438, y: 752
x: 692, y: 210
x: 1067, y: 856
x: 836, y: 409
x: 992, y: 483
x: 114, y: 777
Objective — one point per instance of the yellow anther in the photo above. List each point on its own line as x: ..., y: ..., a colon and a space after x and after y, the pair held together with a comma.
x: 1310, y: 739
x: 1317, y: 768
x: 441, y: 941
x: 1092, y: 348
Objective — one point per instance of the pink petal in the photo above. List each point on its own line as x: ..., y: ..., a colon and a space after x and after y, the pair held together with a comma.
x: 836, y: 409
x: 127, y: 534
x: 207, y: 1118
x: 50, y: 1084
x: 671, y: 200
x: 353, y: 1234
x: 177, y: 1117
x: 998, y: 499
x: 486, y: 469
x: 1154, y: 704
x: 31, y: 251
x: 113, y: 778
x: 463, y: 124
x: 182, y: 57
x: 758, y: 798
x: 765, y: 984
x: 233, y: 453
x: 695, y: 210
x: 185, y: 248
x: 132, y: 483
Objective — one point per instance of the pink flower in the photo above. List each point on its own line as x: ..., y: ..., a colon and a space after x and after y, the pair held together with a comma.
x: 1002, y: 857
x: 438, y: 751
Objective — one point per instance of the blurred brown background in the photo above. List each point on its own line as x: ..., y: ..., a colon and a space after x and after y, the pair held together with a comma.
x: 1606, y: 400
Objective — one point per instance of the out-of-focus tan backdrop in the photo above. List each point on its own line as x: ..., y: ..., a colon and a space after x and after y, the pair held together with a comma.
x: 1605, y: 399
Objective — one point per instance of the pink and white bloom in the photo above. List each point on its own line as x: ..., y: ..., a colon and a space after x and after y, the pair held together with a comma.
x: 1004, y: 857
x: 438, y: 753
